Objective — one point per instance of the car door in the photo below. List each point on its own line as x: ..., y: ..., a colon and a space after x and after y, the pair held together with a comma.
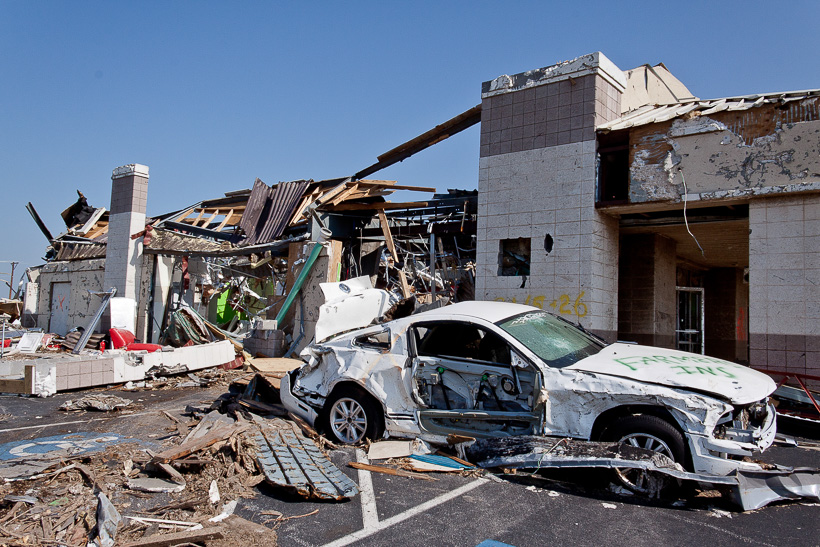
x: 471, y: 382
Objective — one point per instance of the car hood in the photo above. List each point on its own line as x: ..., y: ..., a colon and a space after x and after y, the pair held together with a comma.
x: 679, y: 369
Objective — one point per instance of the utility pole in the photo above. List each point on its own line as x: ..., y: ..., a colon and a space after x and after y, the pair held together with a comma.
x: 11, y: 278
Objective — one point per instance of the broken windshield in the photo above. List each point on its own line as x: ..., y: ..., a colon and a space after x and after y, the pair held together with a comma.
x: 559, y: 343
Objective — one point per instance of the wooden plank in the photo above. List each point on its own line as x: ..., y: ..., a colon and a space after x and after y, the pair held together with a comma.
x: 343, y: 195
x: 176, y: 538
x: 199, y: 216
x: 210, y: 218
x: 24, y: 385
x: 388, y: 237
x: 390, y: 471
x: 376, y: 206
x: 332, y: 193
x: 274, y: 365
x: 379, y: 183
x: 405, y: 286
x: 224, y: 221
x: 186, y: 449
x: 183, y: 215
x: 28, y: 378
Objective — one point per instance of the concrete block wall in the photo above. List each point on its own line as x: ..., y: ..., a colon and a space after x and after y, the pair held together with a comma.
x: 267, y: 342
x: 123, y: 257
x: 784, y: 284
x: 537, y: 177
x: 83, y: 373
x: 647, y: 297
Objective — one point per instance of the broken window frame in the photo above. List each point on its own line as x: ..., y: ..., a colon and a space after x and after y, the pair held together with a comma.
x: 519, y: 263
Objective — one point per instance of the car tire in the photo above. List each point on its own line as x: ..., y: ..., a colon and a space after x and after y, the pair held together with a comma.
x: 352, y: 416
x: 652, y: 433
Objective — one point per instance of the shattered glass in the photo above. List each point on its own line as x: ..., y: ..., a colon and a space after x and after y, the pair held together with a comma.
x: 555, y: 341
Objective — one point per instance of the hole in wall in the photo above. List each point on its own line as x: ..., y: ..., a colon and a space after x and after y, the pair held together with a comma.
x: 514, y: 257
x: 548, y: 242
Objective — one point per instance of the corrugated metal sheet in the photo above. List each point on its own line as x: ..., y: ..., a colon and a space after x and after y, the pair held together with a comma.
x: 269, y: 210
x: 654, y: 114
x: 291, y: 461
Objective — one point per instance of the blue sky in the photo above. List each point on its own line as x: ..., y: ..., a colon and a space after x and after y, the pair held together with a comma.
x: 211, y: 95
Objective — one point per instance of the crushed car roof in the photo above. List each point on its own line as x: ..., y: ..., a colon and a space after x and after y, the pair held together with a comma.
x: 489, y: 311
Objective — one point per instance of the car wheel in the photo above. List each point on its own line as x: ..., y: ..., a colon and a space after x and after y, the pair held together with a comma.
x: 352, y: 416
x: 651, y: 433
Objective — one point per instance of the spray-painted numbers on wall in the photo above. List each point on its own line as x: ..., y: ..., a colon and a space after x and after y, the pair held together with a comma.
x: 564, y: 304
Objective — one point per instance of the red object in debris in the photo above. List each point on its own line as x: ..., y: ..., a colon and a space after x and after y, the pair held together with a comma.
x: 7, y: 343
x: 236, y: 363
x: 122, y: 338
x: 150, y: 348
x: 102, y: 345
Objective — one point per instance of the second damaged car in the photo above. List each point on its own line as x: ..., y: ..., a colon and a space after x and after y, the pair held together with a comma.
x: 488, y: 369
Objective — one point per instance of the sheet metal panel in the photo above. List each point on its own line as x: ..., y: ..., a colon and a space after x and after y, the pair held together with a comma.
x: 294, y: 462
x: 654, y: 114
x: 269, y: 210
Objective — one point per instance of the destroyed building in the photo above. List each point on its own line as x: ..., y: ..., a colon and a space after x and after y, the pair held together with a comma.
x: 620, y: 200
x: 616, y: 199
x: 247, y: 266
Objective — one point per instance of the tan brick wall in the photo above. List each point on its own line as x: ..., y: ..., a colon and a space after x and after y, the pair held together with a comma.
x: 784, y: 283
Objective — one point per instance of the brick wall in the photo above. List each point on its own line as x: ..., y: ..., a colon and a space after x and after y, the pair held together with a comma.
x: 537, y: 177
x: 123, y: 256
x: 646, y: 290
x: 784, y: 284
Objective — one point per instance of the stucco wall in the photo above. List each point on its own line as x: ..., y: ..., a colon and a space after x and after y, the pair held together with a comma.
x: 83, y: 276
x: 755, y: 149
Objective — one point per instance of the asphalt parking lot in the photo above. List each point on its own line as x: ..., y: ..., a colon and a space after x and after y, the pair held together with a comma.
x: 576, y: 508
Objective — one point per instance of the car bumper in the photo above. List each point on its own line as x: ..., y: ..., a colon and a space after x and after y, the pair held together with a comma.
x: 722, y: 456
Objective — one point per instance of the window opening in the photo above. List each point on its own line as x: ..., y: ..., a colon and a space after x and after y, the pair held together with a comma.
x: 514, y: 257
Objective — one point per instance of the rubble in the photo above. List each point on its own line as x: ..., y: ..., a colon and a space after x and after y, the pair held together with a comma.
x: 101, y: 402
x: 217, y: 463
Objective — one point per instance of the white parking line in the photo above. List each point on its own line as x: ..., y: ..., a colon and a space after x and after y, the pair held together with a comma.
x: 370, y: 514
x: 372, y: 524
x: 53, y: 424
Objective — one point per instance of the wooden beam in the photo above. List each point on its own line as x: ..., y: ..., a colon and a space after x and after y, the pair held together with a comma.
x: 178, y: 538
x: 224, y: 221
x: 396, y: 186
x: 210, y: 218
x: 390, y: 471
x: 405, y: 286
x: 183, y: 215
x: 384, y: 182
x: 388, y: 237
x: 391, y: 246
x: 344, y: 194
x: 186, y: 449
x: 198, y: 217
x: 376, y: 206
x: 332, y: 193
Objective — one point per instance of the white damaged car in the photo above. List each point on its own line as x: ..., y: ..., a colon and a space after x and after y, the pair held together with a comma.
x: 486, y: 369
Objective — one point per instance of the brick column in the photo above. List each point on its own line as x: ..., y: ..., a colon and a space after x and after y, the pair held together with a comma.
x: 647, y: 299
x: 123, y: 256
x: 537, y: 186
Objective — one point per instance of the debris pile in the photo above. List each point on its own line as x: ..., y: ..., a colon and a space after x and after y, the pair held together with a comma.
x: 247, y: 269
x: 128, y: 494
